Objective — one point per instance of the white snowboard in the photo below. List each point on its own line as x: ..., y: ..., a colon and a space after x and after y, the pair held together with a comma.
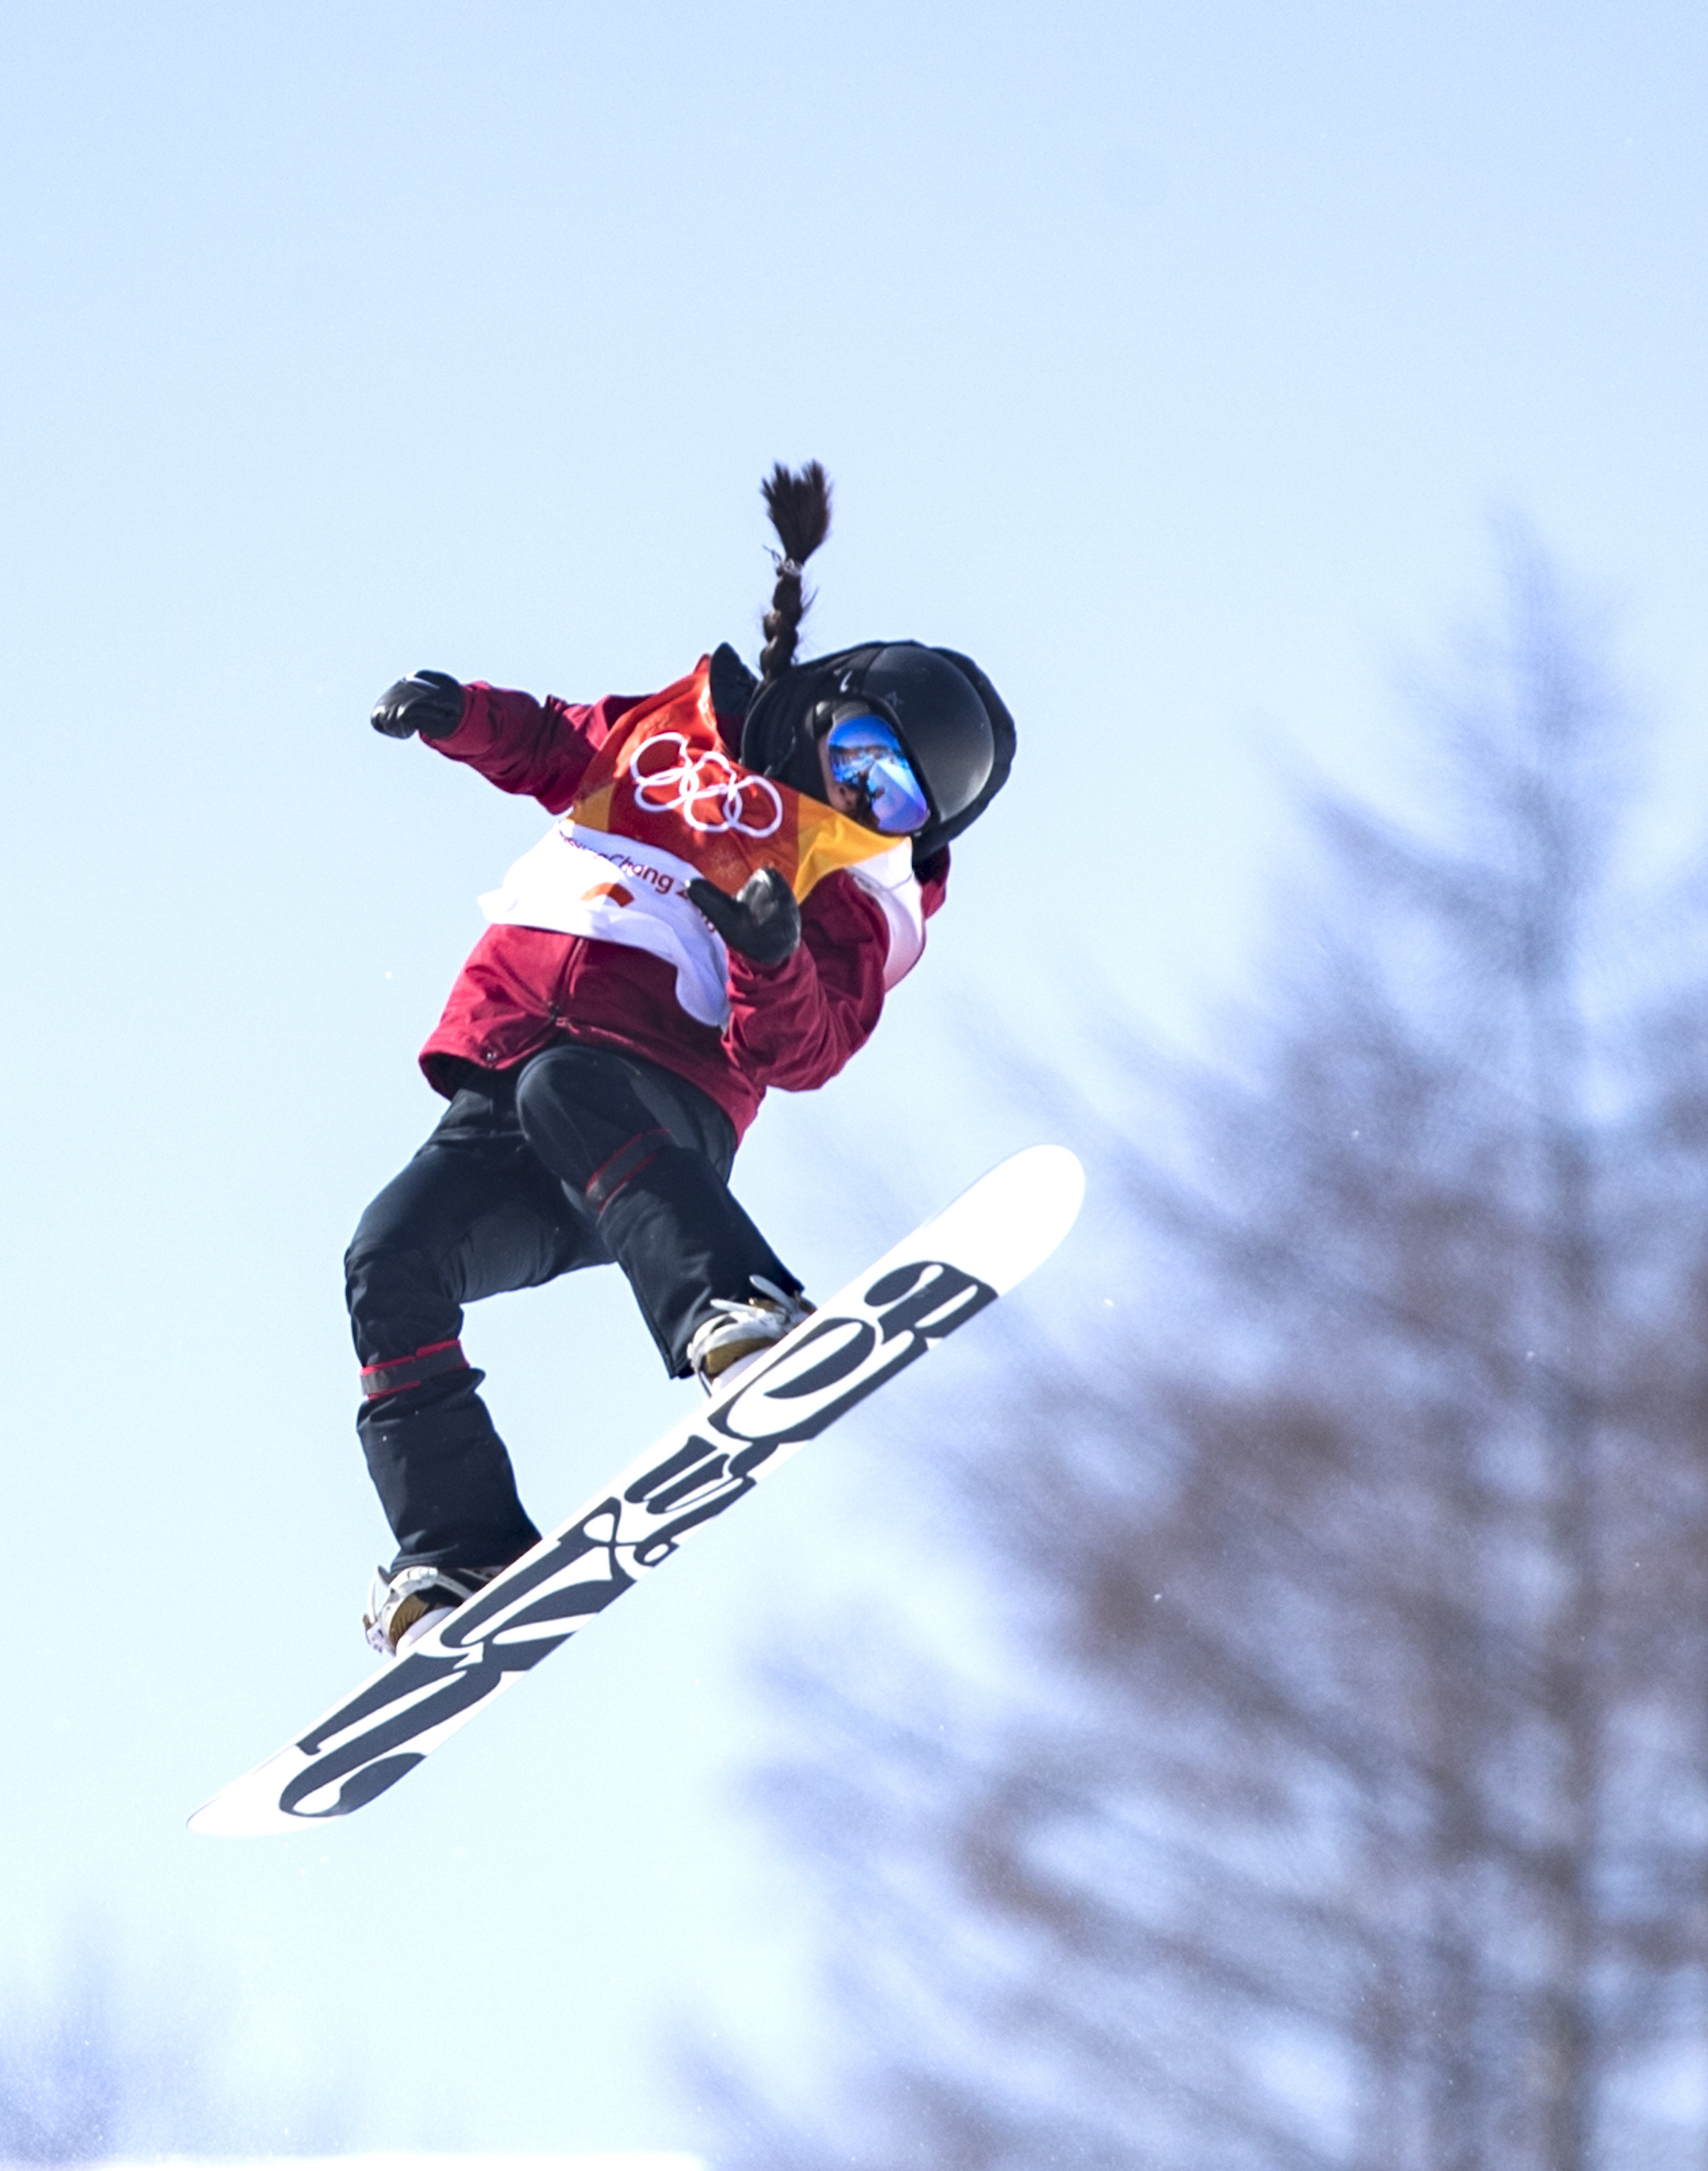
x: 931, y: 1284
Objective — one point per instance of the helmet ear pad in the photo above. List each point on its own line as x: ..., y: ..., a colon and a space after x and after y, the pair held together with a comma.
x: 801, y: 768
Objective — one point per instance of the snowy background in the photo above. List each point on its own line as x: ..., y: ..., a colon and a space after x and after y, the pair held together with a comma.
x: 1171, y: 359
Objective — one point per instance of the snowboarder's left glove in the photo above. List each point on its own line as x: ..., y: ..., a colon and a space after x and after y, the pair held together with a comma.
x: 429, y: 702
x: 763, y: 923
x: 732, y: 684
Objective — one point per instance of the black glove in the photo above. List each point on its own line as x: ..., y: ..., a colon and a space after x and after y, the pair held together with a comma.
x: 763, y: 923
x: 429, y: 702
x: 733, y: 685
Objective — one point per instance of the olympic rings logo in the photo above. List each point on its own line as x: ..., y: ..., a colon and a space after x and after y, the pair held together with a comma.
x: 707, y: 790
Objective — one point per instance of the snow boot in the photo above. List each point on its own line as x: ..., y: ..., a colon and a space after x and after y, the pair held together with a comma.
x: 403, y: 1607
x: 734, y: 1333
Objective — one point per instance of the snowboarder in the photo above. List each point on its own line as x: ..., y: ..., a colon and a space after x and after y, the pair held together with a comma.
x: 742, y: 868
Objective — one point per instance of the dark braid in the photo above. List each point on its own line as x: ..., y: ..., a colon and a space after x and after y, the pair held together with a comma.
x: 800, y: 509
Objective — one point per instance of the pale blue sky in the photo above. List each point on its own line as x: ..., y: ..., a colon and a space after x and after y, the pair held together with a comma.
x: 1171, y: 358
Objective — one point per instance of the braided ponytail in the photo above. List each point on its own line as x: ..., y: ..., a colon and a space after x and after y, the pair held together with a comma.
x: 800, y: 509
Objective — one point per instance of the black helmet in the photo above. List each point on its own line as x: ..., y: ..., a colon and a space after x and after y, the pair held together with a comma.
x: 937, y: 715
x: 949, y: 717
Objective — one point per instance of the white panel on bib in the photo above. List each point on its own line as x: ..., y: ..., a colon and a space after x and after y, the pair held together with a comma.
x: 578, y: 881
x: 615, y: 889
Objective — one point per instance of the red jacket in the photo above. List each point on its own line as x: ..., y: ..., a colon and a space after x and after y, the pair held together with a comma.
x: 794, y: 1026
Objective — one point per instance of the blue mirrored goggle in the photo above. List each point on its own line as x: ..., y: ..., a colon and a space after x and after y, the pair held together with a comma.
x: 866, y: 757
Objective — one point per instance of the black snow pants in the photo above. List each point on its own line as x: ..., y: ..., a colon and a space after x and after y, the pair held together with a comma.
x: 578, y: 1157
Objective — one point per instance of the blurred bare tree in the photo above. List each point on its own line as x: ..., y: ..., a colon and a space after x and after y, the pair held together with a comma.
x: 1332, y: 1793
x: 62, y: 2077
x: 94, y: 2064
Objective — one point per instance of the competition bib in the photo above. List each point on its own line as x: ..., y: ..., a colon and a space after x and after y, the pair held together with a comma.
x: 661, y: 803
